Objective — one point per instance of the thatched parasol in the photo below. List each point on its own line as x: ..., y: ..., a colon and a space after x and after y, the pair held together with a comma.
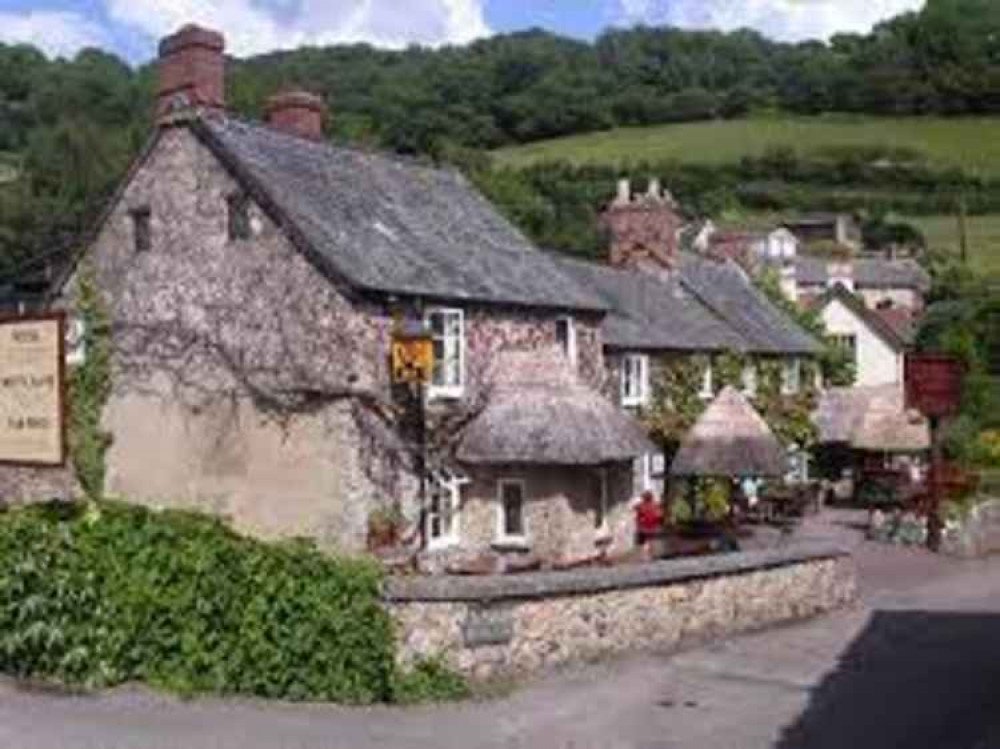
x: 539, y: 413
x: 730, y: 439
x: 873, y: 418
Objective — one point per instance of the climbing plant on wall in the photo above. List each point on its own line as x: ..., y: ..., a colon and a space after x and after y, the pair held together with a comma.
x: 676, y: 399
x: 90, y: 387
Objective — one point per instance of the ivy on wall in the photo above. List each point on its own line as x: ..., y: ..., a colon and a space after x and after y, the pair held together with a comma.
x: 676, y: 401
x: 89, y: 388
x: 836, y: 364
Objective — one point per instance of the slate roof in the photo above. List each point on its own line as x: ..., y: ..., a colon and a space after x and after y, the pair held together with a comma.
x: 728, y: 292
x: 706, y: 306
x: 650, y: 314
x: 391, y: 225
x: 873, y: 273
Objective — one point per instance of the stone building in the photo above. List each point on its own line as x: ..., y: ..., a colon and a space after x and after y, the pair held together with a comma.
x: 254, y: 274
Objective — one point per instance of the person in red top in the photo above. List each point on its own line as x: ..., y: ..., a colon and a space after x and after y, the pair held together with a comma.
x: 648, y: 518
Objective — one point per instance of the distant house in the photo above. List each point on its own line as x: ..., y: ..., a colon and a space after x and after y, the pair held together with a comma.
x: 898, y: 283
x: 836, y: 228
x: 877, y: 340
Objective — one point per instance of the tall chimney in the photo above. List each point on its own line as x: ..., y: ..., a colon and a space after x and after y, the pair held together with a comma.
x: 297, y: 113
x: 192, y: 72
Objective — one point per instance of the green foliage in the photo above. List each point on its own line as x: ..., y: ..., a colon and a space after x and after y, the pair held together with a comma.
x: 964, y: 322
x: 89, y: 389
x: 681, y: 512
x: 713, y: 497
x: 837, y: 367
x: 115, y: 593
x: 429, y: 680
x: 676, y: 402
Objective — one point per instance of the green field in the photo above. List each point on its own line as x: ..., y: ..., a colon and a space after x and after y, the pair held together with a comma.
x: 972, y: 143
x: 984, y: 237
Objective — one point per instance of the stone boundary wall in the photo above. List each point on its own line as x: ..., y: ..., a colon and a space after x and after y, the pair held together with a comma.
x: 511, y: 625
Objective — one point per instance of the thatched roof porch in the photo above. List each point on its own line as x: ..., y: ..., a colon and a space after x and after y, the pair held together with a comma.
x: 539, y: 413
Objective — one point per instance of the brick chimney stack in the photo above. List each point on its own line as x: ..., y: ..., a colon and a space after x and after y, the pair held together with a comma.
x: 192, y: 72
x: 297, y: 113
x: 644, y: 229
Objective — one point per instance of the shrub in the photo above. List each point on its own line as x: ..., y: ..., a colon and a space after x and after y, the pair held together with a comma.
x: 112, y: 594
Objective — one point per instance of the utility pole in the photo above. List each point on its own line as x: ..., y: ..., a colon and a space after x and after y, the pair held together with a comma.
x: 963, y: 231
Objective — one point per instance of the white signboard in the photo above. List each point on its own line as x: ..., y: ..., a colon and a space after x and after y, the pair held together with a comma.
x: 32, y: 388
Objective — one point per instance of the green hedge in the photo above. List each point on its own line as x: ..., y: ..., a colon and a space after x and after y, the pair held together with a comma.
x: 114, y: 593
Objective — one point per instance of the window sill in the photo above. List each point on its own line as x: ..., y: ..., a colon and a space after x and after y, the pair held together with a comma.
x: 511, y: 544
x: 445, y: 394
x: 633, y: 404
x: 442, y: 544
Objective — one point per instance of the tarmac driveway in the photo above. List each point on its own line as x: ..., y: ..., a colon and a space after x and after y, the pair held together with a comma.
x: 916, y: 664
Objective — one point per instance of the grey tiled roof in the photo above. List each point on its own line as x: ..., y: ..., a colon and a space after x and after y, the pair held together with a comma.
x: 650, y: 314
x: 386, y: 224
x: 868, y: 273
x: 707, y: 306
x: 728, y: 292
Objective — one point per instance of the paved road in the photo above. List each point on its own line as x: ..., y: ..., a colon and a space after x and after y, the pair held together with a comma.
x: 916, y: 665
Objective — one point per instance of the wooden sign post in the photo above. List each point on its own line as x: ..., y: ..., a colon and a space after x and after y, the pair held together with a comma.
x: 934, y: 387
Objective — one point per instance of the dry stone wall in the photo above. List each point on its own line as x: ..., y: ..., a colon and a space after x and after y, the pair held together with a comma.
x: 511, y: 625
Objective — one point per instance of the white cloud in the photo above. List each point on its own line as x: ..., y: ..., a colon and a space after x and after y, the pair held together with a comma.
x: 57, y: 33
x: 791, y: 20
x: 254, y: 26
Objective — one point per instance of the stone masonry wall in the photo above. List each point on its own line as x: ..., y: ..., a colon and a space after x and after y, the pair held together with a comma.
x: 501, y: 626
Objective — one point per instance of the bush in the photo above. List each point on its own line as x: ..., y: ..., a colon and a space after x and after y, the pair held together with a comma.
x: 118, y: 593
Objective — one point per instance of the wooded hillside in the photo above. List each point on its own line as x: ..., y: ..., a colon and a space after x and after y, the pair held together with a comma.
x: 69, y: 128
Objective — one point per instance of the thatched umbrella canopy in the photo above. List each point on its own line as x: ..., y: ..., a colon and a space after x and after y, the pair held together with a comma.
x: 539, y: 413
x: 730, y: 439
x: 871, y: 418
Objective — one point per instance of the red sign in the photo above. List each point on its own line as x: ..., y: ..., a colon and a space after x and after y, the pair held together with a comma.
x: 934, y: 384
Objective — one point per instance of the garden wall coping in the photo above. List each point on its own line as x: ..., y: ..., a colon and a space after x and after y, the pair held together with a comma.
x: 534, y: 585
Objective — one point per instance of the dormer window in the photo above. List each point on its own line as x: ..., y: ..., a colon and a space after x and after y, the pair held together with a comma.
x: 142, y: 233
x: 635, y: 380
x: 239, y: 217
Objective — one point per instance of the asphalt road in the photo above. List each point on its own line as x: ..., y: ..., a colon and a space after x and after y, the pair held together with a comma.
x: 915, y: 665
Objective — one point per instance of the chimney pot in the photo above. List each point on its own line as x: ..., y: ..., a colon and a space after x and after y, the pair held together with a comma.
x: 654, y: 188
x: 624, y: 192
x: 297, y: 113
x: 192, y: 72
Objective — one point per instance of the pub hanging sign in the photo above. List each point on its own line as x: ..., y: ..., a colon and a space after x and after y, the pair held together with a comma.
x: 412, y: 354
x: 32, y: 391
x: 933, y: 384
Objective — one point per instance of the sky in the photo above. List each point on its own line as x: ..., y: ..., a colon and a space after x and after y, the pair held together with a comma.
x: 130, y: 28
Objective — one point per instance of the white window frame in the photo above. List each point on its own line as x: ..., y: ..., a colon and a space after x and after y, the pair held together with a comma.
x: 641, y: 376
x: 602, y: 529
x: 449, y: 390
x: 452, y: 488
x: 751, y: 380
x: 502, y: 537
x: 791, y: 376
x: 707, y: 391
x: 570, y: 337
